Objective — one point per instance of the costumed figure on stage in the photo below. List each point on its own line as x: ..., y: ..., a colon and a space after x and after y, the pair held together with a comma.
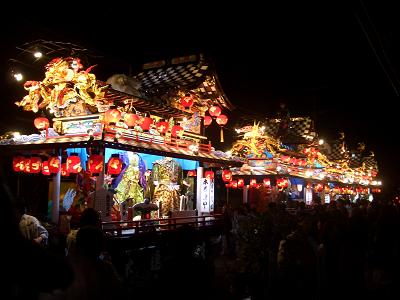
x: 131, y: 182
x: 166, y: 175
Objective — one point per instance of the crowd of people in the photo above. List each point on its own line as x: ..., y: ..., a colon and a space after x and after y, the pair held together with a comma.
x: 325, y: 251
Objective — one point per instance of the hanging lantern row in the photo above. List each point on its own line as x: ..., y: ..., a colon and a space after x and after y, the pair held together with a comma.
x: 73, y: 165
x: 222, y: 120
x: 112, y: 116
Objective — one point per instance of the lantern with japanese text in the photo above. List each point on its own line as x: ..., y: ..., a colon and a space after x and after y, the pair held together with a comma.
x: 192, y: 173
x: 131, y: 120
x: 95, y: 164
x: 27, y: 164
x: 187, y: 101
x: 226, y: 175
x: 146, y: 123
x: 234, y: 184
x: 45, y: 168
x: 35, y: 164
x: 177, y: 130
x: 64, y: 170
x: 162, y: 127
x: 74, y: 163
x: 267, y: 182
x: 240, y: 182
x: 41, y: 123
x: 207, y: 121
x: 18, y: 163
x: 112, y: 116
x: 209, y: 174
x: 214, y: 111
x: 114, y: 165
x: 253, y: 183
x: 221, y: 121
x: 54, y: 164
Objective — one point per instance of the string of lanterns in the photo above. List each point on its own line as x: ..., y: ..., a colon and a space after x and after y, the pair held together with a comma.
x: 220, y: 119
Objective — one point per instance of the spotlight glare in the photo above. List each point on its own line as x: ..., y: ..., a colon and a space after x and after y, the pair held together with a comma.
x: 18, y: 76
x: 38, y: 54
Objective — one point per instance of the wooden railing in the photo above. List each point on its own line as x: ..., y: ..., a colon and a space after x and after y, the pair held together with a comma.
x: 128, y: 228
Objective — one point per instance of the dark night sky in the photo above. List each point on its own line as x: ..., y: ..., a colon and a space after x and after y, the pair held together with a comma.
x: 315, y: 57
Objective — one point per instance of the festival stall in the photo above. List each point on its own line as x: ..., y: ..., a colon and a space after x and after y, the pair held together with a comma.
x: 118, y: 143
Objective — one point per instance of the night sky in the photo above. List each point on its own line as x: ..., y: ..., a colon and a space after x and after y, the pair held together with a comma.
x: 335, y: 62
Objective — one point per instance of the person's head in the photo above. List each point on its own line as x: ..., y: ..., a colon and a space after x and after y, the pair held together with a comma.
x: 90, y: 241
x: 90, y: 217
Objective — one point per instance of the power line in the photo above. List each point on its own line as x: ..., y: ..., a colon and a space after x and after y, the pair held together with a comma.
x: 376, y: 54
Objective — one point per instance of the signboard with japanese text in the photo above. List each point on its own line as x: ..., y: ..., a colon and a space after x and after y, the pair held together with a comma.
x: 207, y: 195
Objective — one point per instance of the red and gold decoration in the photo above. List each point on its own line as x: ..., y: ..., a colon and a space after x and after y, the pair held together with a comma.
x: 177, y: 131
x: 267, y: 182
x: 35, y: 164
x: 253, y: 183
x: 67, y: 90
x: 192, y: 173
x: 45, y: 168
x: 187, y: 101
x: 214, y: 111
x: 226, y: 175
x: 54, y: 164
x: 18, y: 163
x: 41, y: 123
x: 131, y: 120
x: 114, y: 165
x: 73, y: 163
x: 207, y: 121
x: 112, y: 116
x: 64, y: 170
x: 162, y: 127
x: 95, y: 164
x: 145, y: 123
x: 209, y: 174
x: 240, y: 182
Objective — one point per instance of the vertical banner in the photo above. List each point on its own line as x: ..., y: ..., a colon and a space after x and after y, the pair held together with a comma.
x: 207, y: 195
x: 308, y: 196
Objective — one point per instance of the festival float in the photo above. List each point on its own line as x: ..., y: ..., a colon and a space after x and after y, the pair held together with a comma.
x: 115, y: 144
x: 286, y: 162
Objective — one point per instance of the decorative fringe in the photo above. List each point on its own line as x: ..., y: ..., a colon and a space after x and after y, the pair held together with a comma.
x: 222, y: 135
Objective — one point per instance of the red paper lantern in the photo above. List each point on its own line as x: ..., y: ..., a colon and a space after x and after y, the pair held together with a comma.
x: 74, y: 164
x: 222, y: 120
x: 18, y: 164
x: 253, y: 183
x: 214, y: 111
x: 209, y: 174
x: 146, y: 123
x: 207, y: 120
x: 192, y: 173
x: 131, y: 120
x: 187, y: 101
x: 267, y: 182
x: 234, y: 184
x: 27, y: 164
x: 177, y: 130
x: 35, y: 164
x: 226, y: 175
x: 112, y: 116
x: 114, y: 165
x: 45, y: 168
x: 95, y: 163
x: 54, y: 164
x: 162, y: 127
x: 282, y: 183
x: 41, y: 123
x: 64, y: 170
x: 240, y: 182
